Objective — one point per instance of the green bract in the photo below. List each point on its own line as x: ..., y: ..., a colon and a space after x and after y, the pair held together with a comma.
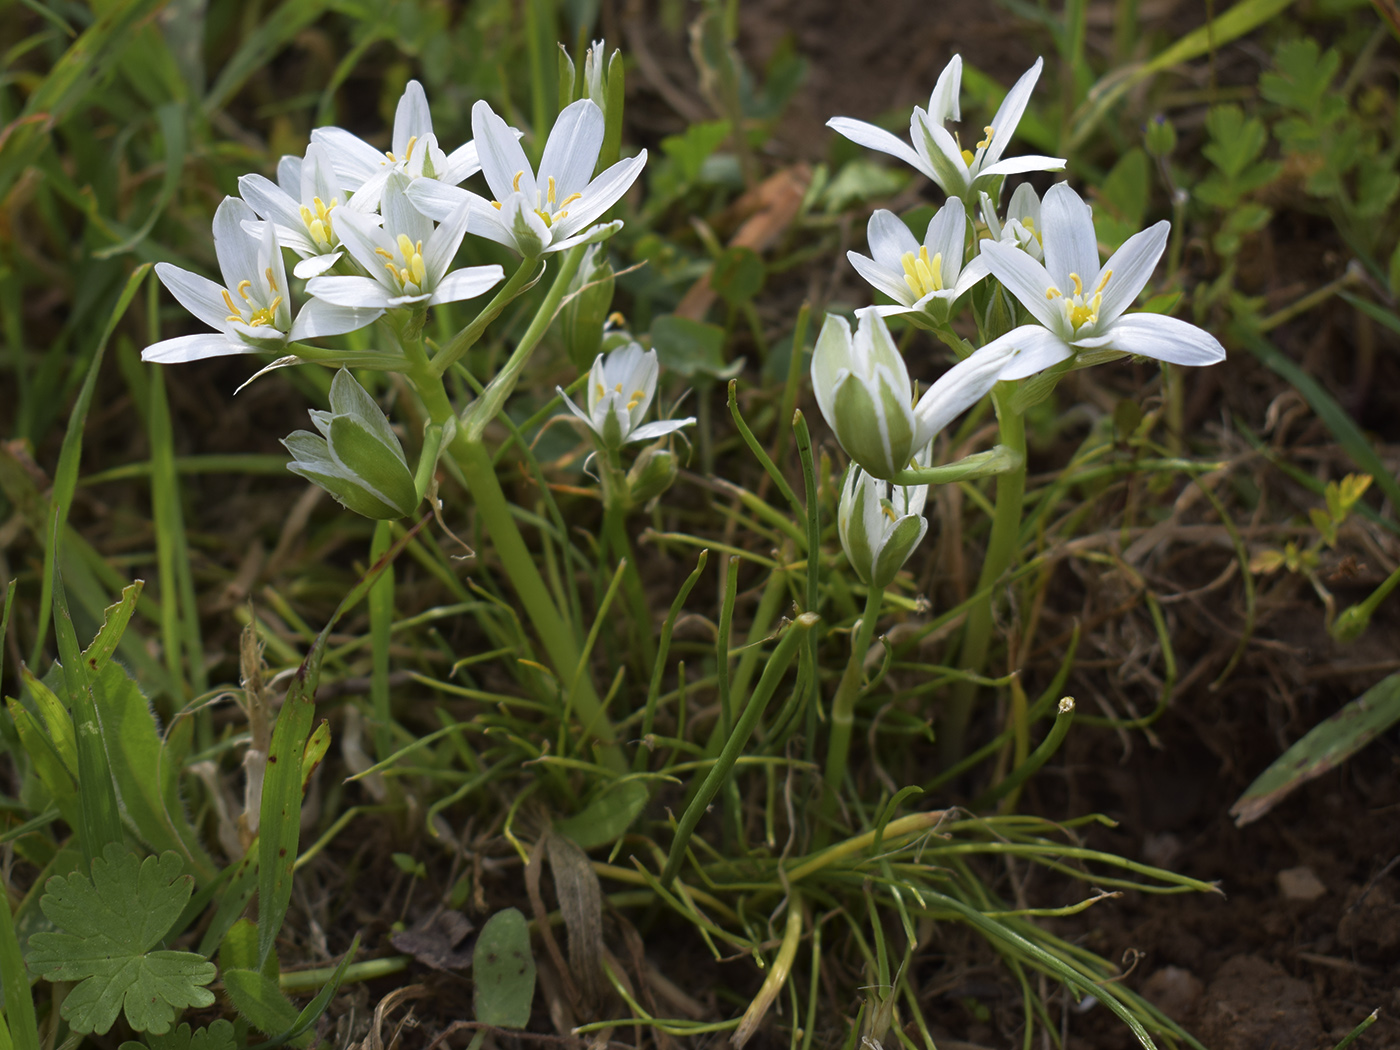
x: 356, y: 457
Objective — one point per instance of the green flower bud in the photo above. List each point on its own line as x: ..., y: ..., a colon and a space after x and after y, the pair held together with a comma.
x: 356, y: 457
x: 879, y: 525
x: 1351, y: 623
x: 587, y: 310
x: 652, y: 474
x: 1159, y: 136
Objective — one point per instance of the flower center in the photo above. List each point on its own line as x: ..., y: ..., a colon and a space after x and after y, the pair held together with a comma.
x: 968, y: 156
x: 318, y: 222
x: 412, y: 273
x: 1079, y: 309
x: 922, y: 274
x: 549, y: 210
x: 407, y: 153
x: 250, y: 313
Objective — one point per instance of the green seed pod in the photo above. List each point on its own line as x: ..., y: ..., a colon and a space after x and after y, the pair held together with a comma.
x: 588, y: 310
x: 652, y: 474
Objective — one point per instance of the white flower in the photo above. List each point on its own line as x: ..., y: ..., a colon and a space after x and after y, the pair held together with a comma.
x: 1081, y: 304
x: 414, y: 151
x: 251, y: 309
x: 865, y: 395
x: 621, y: 386
x: 593, y: 63
x: 539, y: 212
x: 935, y: 152
x: 1022, y: 227
x: 923, y: 279
x: 880, y: 524
x: 300, y: 203
x: 406, y: 257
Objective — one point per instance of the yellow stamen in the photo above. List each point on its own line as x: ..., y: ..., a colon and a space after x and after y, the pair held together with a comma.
x: 496, y: 205
x: 1053, y: 293
x: 1103, y: 282
x: 515, y: 182
x: 570, y: 199
x: 228, y: 301
x: 990, y: 131
x: 408, y: 152
x: 384, y: 252
x: 922, y: 274
x: 392, y: 159
x: 602, y: 390
x: 968, y: 157
x: 243, y: 287
x: 618, y: 388
x: 271, y: 281
x: 1078, y: 284
x: 550, y: 198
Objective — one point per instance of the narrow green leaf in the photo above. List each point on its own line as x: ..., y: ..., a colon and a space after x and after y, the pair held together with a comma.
x: 48, y: 763
x: 1326, y: 746
x: 271, y: 35
x: 114, y: 622
x: 258, y: 999
x: 65, y: 477
x: 1333, y: 415
x: 99, y: 818
x: 19, y: 1005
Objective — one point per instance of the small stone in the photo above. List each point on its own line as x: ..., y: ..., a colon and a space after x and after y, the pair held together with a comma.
x: 1174, y: 991
x: 1300, y: 884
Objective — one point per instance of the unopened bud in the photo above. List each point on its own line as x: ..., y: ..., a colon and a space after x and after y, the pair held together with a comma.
x: 587, y: 311
x: 652, y: 474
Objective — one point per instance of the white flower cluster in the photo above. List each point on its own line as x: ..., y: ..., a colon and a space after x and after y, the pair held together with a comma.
x: 1044, y: 253
x: 377, y: 231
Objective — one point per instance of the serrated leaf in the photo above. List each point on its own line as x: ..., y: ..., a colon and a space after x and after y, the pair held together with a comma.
x: 111, y: 922
x: 504, y: 971
x: 217, y: 1036
x: 256, y: 997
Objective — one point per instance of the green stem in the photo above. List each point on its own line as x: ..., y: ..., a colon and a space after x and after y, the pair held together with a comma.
x: 843, y: 705
x: 450, y: 354
x: 493, y: 398
x: 1001, y: 550
x: 616, y: 503
x: 1038, y: 758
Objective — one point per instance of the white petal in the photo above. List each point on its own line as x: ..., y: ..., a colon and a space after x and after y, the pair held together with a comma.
x: 1009, y: 114
x: 1024, y: 204
x: 318, y: 317
x: 945, y: 164
x: 955, y: 391
x: 569, y: 403
x: 889, y: 238
x: 360, y: 292
x: 401, y: 218
x: 592, y: 235
x: 237, y: 252
x: 466, y: 283
x: 192, y: 348
x: 365, y: 200
x: 352, y: 158
x: 435, y: 199
x: 270, y: 201
x: 601, y: 194
x: 529, y: 233
x: 831, y: 360
x: 360, y: 235
x: 1036, y: 349
x: 662, y: 427
x: 318, y: 178
x: 597, y: 382
x: 287, y: 236
x: 462, y: 163
x: 882, y: 278
x: 442, y: 246
x: 1132, y: 266
x: 1157, y: 335
x: 947, y: 232
x: 315, y: 265
x: 199, y: 295
x: 943, y: 103
x: 412, y: 119
x: 1024, y: 278
x: 571, y: 153
x: 871, y: 137
x: 409, y: 300
x: 1068, y: 238
x: 1017, y: 165
x: 501, y: 156
x: 289, y: 175
x: 974, y: 271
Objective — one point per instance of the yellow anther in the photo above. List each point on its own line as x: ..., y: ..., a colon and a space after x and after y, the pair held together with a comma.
x: 636, y: 400
x: 602, y: 390
x: 243, y: 287
x: 570, y: 199
x: 515, y: 182
x: 637, y: 395
x: 271, y: 281
x: 384, y: 252
x: 550, y: 197
x: 405, y: 246
x: 1078, y: 284
x: 618, y: 388
x: 496, y: 205
x: 392, y: 159
x: 922, y: 274
x: 616, y: 318
x: 889, y: 512
x: 420, y: 271
x: 228, y: 301
x: 990, y: 131
x: 1053, y: 293
x: 408, y: 152
x: 1103, y: 282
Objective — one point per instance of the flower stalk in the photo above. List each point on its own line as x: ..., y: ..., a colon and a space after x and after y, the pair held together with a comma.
x: 843, y: 704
